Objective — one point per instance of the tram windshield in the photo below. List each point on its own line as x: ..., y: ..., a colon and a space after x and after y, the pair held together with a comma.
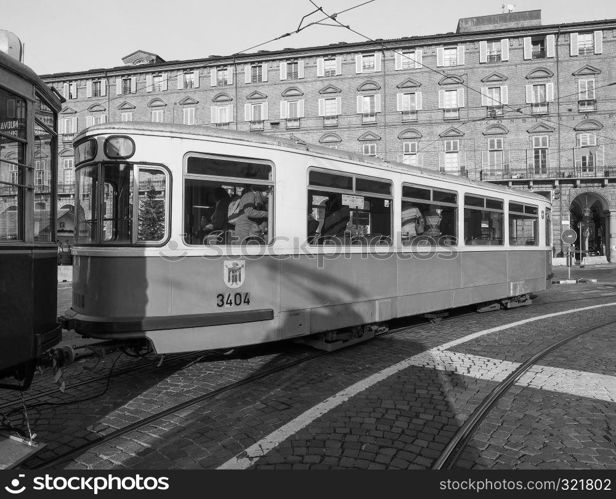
x: 121, y: 204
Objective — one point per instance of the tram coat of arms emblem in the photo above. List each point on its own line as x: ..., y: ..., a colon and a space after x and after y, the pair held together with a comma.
x: 234, y: 272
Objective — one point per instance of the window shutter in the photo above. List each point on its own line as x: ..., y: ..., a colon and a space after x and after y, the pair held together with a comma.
x: 598, y: 36
x: 505, y: 49
x: 103, y: 118
x: 74, y: 124
x: 246, y: 73
x: 358, y: 67
x: 339, y: 106
x: 581, y: 89
x: 460, y: 97
x: 197, y: 78
x: 283, y: 70
x: 377, y: 103
x: 149, y: 83
x: 440, y: 55
x: 504, y: 94
x: 103, y: 88
x: 320, y: 66
x: 338, y: 65
x: 592, y: 139
x: 321, y: 106
x: 484, y: 96
x: 529, y: 94
x: 264, y: 68
x: 264, y: 108
x: 418, y: 101
x: 483, y: 52
x: 118, y: 86
x: 164, y: 81
x: 573, y: 44
x: 89, y: 121
x: 460, y: 55
x: 590, y: 87
x: 133, y: 85
x: 247, y: 112
x: 377, y: 61
x: 397, y: 61
x: 418, y: 58
x: 62, y: 125
x: 441, y: 99
x: 528, y: 48
x: 549, y: 92
x: 484, y: 159
x: 550, y: 42
x: 360, y: 104
x: 300, y: 108
x: 213, y: 77
x: 89, y: 88
x: 399, y: 98
x: 284, y: 109
x: 180, y: 79
x: 65, y: 90
x: 300, y: 68
x: 213, y: 115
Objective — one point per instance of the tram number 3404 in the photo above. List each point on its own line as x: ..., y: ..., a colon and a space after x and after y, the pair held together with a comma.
x: 232, y: 299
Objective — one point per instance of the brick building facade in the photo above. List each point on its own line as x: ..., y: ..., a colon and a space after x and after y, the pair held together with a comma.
x: 504, y: 99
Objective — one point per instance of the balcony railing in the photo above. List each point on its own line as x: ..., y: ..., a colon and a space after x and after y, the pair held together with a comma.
x: 256, y: 126
x: 409, y: 116
x: 540, y: 108
x: 460, y: 171
x: 494, y: 58
x: 330, y: 120
x: 530, y: 173
x: 587, y: 106
x: 494, y: 111
x: 368, y: 118
x: 451, y: 114
x: 292, y: 123
x: 539, y: 53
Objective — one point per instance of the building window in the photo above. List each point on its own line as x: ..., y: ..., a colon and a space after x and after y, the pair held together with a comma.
x: 292, y: 111
x: 538, y: 47
x: 96, y: 119
x: 329, y: 66
x: 157, y: 82
x: 330, y: 109
x: 126, y: 85
x: 407, y: 59
x: 97, y: 89
x: 586, y: 44
x: 70, y: 90
x: 494, y: 50
x: 189, y: 80
x: 256, y: 114
x: 586, y: 96
x: 158, y: 115
x: 451, y: 101
x: 495, y: 156
x: 409, y: 153
x: 188, y: 116
x: 368, y: 106
x: 494, y: 98
x: 256, y: 73
x: 540, y: 154
x: 222, y: 115
x: 41, y: 174
x: 222, y: 76
x: 368, y: 62
x: 369, y: 149
x: 13, y: 174
x: 292, y: 70
x: 68, y: 126
x: 126, y: 116
x: 451, y: 163
x: 539, y: 98
x: 586, y: 139
x: 408, y: 104
x: 68, y: 171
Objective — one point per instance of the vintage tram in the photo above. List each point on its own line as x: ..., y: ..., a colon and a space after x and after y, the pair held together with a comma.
x: 28, y: 252
x: 197, y: 238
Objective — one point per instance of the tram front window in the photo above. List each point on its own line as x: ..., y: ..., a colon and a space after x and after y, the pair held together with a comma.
x: 106, y: 211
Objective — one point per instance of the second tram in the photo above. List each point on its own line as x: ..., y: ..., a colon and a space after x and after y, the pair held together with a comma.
x: 199, y: 238
x: 28, y: 252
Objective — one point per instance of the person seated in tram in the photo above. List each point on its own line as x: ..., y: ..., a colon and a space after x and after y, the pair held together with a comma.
x: 336, y: 217
x: 218, y: 225
x: 413, y: 222
x: 251, y: 223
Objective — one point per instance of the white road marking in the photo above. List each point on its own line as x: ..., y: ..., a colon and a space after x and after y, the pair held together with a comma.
x: 252, y: 454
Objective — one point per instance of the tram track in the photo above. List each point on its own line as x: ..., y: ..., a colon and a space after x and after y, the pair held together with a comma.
x: 462, y: 437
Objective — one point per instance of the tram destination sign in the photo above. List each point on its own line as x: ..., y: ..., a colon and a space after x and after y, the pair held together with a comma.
x: 568, y: 236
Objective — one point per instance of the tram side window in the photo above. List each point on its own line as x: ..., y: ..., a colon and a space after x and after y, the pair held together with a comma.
x: 348, y: 210
x: 429, y: 216
x: 43, y: 181
x: 523, y: 225
x: 227, y: 201
x: 151, y: 218
x: 483, y: 221
x: 117, y: 202
x: 12, y: 166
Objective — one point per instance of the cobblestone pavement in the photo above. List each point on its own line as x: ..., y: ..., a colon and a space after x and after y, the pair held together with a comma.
x: 391, y: 403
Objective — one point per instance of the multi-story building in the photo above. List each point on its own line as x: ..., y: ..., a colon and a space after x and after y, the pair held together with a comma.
x: 504, y: 99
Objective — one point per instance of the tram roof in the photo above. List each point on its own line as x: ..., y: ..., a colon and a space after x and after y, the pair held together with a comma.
x: 298, y: 145
x: 22, y: 71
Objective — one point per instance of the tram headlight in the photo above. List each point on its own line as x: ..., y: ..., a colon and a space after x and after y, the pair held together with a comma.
x: 119, y: 147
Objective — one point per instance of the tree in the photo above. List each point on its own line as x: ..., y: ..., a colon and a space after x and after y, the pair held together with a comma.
x: 151, y: 216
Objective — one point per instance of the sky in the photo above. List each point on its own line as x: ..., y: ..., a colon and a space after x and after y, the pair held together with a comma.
x: 77, y: 35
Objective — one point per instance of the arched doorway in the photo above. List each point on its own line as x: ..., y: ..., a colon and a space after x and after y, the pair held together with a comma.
x: 590, y: 219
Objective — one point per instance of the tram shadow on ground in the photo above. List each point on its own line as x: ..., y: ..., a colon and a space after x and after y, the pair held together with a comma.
x: 402, y: 421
